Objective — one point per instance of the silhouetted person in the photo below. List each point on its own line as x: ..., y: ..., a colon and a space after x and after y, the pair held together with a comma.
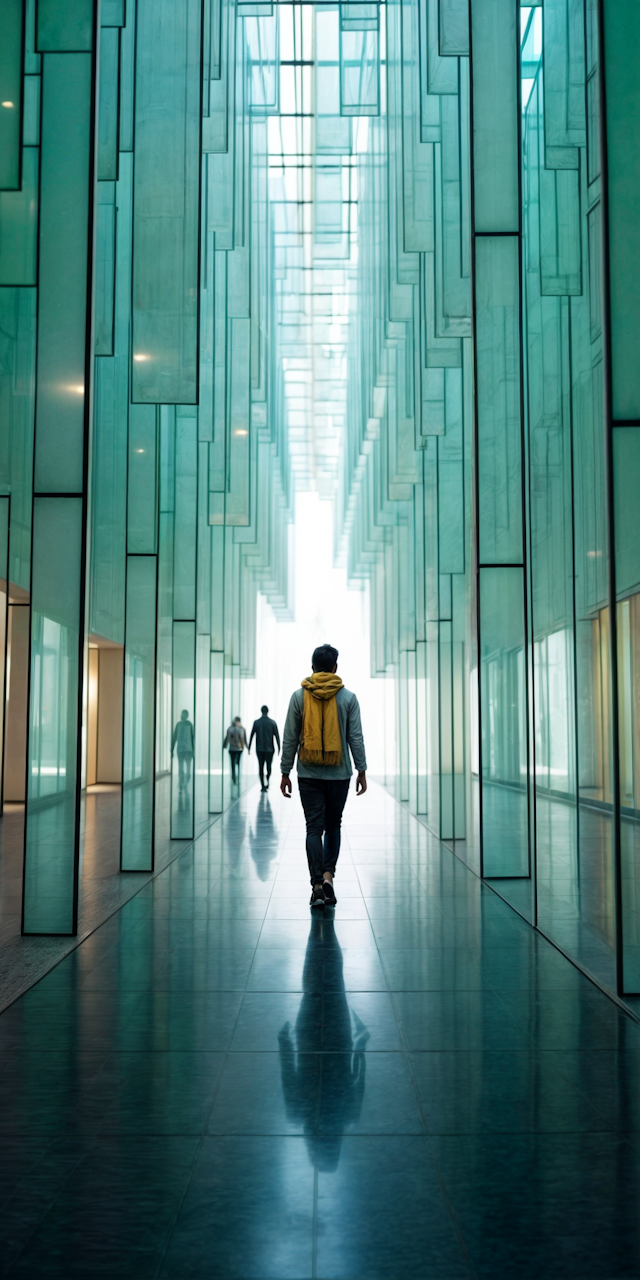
x: 236, y: 740
x: 182, y: 741
x: 342, y: 1080
x: 264, y: 731
x: 323, y: 724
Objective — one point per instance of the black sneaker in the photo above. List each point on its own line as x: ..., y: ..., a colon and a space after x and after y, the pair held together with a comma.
x: 329, y: 895
x: 317, y: 897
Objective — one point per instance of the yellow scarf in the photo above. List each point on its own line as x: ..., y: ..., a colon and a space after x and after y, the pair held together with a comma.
x: 320, y: 741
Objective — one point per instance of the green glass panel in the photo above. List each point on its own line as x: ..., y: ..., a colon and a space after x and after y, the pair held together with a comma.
x: 109, y: 506
x: 108, y: 104
x: 19, y: 226
x: 105, y: 270
x: 359, y: 73
x: 237, y: 503
x: 503, y: 707
x: 11, y: 36
x: 127, y: 79
x: 64, y: 27
x: 112, y: 13
x: 17, y: 393
x: 216, y: 731
x: 166, y: 198
x: 31, y: 122
x: 138, y: 774
x: 454, y: 27
x: 142, y: 500
x: 183, y: 686
x: 65, y: 185
x: 495, y: 115
x: 185, y: 516
x: 622, y: 50
x: 52, y: 811
x: 498, y: 393
x: 626, y: 478
x: 564, y: 83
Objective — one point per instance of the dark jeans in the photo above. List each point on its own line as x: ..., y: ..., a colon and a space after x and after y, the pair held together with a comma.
x: 265, y: 758
x: 323, y: 801
x: 235, y: 764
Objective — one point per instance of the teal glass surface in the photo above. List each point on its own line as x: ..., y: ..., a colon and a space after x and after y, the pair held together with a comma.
x: 495, y: 115
x: 17, y: 392
x: 52, y: 831
x: 166, y: 195
x: 142, y: 489
x: 19, y: 225
x: 503, y: 713
x: 65, y: 186
x: 183, y: 687
x: 64, y: 28
x: 11, y: 36
x: 500, y: 514
x: 185, y: 515
x: 138, y: 765
x: 107, y: 166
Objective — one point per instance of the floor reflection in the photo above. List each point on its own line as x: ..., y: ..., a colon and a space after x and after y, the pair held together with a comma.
x: 343, y: 1071
x: 263, y: 837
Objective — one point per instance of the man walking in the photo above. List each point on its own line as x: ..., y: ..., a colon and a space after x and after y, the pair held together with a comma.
x: 323, y: 724
x: 264, y: 731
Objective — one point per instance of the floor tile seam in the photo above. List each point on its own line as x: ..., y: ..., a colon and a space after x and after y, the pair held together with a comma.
x: 443, y: 1189
x: 210, y: 1111
x: 203, y: 1135
x: 51, y: 1200
x: 133, y: 1135
x: 77, y: 942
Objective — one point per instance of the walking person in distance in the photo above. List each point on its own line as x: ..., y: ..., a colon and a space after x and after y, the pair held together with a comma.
x: 236, y: 741
x: 323, y: 724
x: 264, y: 731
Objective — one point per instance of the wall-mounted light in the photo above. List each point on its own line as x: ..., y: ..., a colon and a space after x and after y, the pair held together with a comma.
x: 139, y: 357
x: 7, y: 104
x: 139, y: 450
x: 77, y: 388
x: 241, y: 432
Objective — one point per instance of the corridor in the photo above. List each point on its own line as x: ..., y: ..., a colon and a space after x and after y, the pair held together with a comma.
x: 215, y: 1084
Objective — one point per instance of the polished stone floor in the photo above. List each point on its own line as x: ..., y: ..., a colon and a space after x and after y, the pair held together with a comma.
x: 216, y: 1085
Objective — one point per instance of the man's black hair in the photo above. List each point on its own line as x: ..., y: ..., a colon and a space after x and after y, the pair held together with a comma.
x: 264, y: 710
x: 324, y: 658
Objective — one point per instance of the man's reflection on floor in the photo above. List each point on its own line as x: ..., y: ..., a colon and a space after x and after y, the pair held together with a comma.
x: 325, y: 1114
x: 263, y: 838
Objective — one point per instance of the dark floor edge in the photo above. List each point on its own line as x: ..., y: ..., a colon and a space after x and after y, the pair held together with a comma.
x: 77, y: 940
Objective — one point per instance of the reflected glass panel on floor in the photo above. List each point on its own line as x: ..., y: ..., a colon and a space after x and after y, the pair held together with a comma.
x: 183, y: 737
x: 51, y: 836
x: 503, y: 724
x: 139, y: 694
